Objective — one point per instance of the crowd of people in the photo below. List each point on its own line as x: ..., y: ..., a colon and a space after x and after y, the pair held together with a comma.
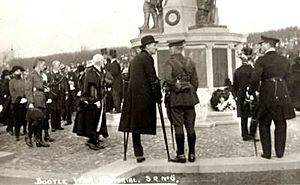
x: 31, y: 99
x: 264, y: 89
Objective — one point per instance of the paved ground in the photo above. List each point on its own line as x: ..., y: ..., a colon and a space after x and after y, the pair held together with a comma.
x: 231, y: 178
x: 69, y: 156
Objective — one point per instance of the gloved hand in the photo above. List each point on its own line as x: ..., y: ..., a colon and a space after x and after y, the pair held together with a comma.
x: 30, y: 106
x: 98, y: 104
x: 23, y: 100
x: 79, y: 93
x: 49, y: 100
x: 157, y: 92
x: 1, y: 108
x: 46, y: 89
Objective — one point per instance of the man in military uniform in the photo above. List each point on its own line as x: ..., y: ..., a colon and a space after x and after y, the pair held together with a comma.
x: 181, y: 86
x: 270, y: 76
x: 58, y: 90
x: 35, y: 94
x: 241, y: 81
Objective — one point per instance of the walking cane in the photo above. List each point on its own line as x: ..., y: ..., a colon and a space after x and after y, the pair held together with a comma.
x: 126, y: 135
x: 254, y: 140
x: 253, y: 121
x: 164, y: 129
x: 172, y: 133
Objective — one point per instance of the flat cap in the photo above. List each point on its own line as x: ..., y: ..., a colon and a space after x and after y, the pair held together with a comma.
x: 176, y: 42
x: 269, y: 40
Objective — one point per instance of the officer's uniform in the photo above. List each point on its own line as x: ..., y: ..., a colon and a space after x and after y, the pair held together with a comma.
x: 181, y: 84
x: 34, y: 92
x: 241, y: 81
x: 272, y: 71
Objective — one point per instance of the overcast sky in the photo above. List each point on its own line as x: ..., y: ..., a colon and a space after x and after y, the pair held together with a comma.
x: 41, y: 27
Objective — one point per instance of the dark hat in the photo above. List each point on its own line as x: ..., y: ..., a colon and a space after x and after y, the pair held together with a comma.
x: 247, y: 51
x: 15, y: 68
x: 35, y: 114
x: 5, y: 72
x: 176, y: 42
x: 270, y: 40
x: 80, y: 68
x: 148, y: 39
x: 113, y: 53
x: 103, y: 51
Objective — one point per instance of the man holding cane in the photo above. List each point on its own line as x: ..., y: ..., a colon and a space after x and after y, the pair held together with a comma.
x: 144, y: 91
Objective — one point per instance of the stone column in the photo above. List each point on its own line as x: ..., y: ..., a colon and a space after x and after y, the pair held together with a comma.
x: 229, y: 59
x: 209, y: 64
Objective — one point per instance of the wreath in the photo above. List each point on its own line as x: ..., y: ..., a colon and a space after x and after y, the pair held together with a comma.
x: 174, y: 22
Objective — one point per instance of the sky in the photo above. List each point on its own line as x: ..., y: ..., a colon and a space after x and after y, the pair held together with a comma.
x: 42, y: 27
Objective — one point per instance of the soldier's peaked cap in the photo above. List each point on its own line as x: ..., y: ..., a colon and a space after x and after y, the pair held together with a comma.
x: 176, y: 42
x: 269, y: 40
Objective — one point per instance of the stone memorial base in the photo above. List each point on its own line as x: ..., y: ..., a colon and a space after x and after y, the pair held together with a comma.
x: 212, y: 48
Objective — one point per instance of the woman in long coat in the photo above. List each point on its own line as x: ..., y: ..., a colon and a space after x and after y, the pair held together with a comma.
x: 139, y: 109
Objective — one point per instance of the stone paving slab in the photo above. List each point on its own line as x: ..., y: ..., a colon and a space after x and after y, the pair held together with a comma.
x: 5, y: 156
x: 69, y: 155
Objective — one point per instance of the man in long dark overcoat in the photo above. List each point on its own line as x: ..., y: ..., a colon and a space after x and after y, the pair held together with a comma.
x: 271, y: 74
x: 241, y: 81
x: 117, y: 81
x: 139, y: 110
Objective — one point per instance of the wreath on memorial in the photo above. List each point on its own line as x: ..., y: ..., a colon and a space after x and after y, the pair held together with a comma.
x: 172, y: 22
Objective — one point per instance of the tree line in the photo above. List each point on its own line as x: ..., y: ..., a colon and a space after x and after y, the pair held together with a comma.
x: 66, y: 58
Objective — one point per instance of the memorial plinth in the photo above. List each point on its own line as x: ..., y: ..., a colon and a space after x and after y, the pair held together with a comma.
x: 211, y: 47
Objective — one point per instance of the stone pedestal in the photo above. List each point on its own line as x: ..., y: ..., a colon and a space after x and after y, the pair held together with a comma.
x: 211, y: 47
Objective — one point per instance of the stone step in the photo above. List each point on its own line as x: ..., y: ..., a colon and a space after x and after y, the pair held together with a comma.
x: 129, y: 168
x: 6, y: 156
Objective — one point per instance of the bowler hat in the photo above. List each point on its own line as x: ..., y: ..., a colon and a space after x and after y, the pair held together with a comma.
x: 148, y: 39
x: 15, y: 68
x: 176, y: 42
x: 270, y: 40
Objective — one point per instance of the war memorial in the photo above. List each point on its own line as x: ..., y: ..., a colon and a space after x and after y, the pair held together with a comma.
x: 222, y: 157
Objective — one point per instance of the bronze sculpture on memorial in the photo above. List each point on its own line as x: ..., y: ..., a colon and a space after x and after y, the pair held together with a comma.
x: 206, y: 13
x: 155, y: 9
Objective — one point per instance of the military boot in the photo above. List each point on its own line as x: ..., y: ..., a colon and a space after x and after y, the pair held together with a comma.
x: 28, y: 141
x: 191, y: 143
x: 180, y: 157
x: 47, y: 136
x: 41, y: 143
